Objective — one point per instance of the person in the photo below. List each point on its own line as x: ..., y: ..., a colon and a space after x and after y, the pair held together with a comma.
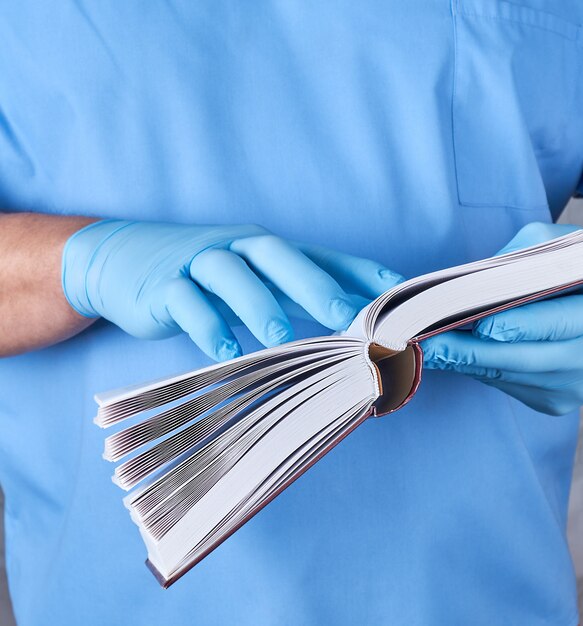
x: 183, y: 182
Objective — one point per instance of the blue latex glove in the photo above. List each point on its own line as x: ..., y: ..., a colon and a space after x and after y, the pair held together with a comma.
x: 533, y: 352
x: 155, y: 280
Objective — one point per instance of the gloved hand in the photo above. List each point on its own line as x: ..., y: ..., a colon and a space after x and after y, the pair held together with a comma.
x: 533, y: 352
x: 155, y: 280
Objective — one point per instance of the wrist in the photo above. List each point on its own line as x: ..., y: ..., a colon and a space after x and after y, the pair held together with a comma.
x: 81, y: 264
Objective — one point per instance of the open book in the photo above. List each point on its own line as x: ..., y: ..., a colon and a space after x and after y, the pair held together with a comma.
x: 210, y: 448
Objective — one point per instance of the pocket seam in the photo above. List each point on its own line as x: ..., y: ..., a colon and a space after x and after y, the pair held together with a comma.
x: 514, y: 13
x: 527, y: 16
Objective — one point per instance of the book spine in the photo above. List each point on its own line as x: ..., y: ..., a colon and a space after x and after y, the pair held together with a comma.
x: 385, y: 405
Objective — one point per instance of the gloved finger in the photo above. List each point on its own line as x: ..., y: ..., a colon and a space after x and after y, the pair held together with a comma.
x: 555, y: 393
x: 535, y: 233
x: 298, y: 277
x: 195, y: 315
x: 227, y: 275
x: 537, y: 380
x: 355, y: 274
x: 550, y: 401
x: 460, y: 348
x: 547, y: 320
x: 292, y: 309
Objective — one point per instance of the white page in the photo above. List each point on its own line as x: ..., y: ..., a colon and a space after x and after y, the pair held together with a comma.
x: 479, y: 290
x: 278, y: 444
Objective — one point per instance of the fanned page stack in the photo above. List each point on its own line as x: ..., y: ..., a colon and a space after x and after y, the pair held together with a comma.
x: 210, y: 448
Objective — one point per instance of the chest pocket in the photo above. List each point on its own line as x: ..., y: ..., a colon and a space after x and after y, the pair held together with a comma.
x: 516, y: 73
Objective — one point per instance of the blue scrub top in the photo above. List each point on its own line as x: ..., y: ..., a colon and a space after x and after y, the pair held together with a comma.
x: 422, y: 134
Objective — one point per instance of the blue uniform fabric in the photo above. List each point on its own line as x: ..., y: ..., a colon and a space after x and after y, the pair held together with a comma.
x: 420, y: 134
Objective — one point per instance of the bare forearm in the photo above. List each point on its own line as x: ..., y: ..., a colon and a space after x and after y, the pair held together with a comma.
x: 34, y: 312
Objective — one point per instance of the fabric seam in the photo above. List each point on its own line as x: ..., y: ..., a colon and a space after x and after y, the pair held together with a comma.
x: 561, y: 26
x: 457, y: 8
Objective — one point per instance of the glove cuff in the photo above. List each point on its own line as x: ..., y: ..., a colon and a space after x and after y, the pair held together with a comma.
x: 78, y: 264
